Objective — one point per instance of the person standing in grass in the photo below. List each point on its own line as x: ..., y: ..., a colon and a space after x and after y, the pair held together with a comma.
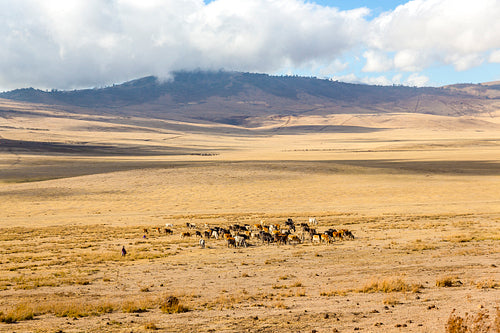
x: 124, y: 252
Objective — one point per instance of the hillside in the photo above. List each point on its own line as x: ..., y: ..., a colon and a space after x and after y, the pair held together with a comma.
x: 237, y: 98
x: 207, y: 113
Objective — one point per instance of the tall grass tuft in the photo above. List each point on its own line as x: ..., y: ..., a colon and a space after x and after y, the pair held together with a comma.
x: 21, y: 312
x: 389, y: 286
x: 473, y: 323
x: 448, y: 281
x: 171, y: 304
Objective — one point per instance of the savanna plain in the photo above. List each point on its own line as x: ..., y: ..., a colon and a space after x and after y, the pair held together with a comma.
x: 421, y: 197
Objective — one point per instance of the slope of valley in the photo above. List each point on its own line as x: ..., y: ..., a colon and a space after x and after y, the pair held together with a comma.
x: 413, y: 174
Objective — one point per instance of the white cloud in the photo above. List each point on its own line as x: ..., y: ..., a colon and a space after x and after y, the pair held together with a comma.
x: 409, y: 60
x: 416, y: 80
x: 350, y: 78
x: 377, y: 62
x: 79, y: 43
x: 423, y: 32
x: 378, y: 80
x: 382, y: 80
x: 65, y: 44
x: 495, y: 57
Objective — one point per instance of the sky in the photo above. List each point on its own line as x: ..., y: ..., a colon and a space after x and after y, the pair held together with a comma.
x: 73, y: 44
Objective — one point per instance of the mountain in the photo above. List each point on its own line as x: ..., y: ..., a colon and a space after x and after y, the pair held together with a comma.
x: 236, y: 98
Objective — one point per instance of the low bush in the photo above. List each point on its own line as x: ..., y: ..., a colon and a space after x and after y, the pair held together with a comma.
x: 19, y: 313
x: 171, y: 304
x: 389, y: 286
x: 479, y: 322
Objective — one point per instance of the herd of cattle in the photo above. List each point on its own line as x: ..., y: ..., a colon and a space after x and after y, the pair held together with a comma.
x: 239, y: 235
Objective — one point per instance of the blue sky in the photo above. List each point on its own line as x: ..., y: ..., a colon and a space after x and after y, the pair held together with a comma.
x: 93, y: 43
x: 438, y: 74
x: 377, y: 6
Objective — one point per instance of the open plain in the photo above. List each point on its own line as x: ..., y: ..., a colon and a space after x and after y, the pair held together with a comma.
x: 420, y: 193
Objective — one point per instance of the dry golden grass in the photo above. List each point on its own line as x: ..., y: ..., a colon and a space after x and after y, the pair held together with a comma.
x: 389, y: 286
x: 490, y: 283
x: 20, y: 312
x: 448, y: 281
x: 171, y: 304
x: 423, y: 205
x: 479, y: 322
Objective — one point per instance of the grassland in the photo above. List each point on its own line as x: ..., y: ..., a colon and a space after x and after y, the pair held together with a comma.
x: 423, y: 204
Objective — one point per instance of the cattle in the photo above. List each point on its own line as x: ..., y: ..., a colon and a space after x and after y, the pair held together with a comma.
x: 168, y: 231
x: 169, y: 225
x: 145, y: 230
x: 202, y: 243
x: 240, y: 241
x: 237, y: 228
x: 310, y: 234
x: 243, y: 235
x: 325, y: 238
x: 280, y: 238
x: 231, y: 242
x: 347, y: 234
x: 337, y: 234
x: 293, y: 239
x: 254, y: 234
x: 237, y: 235
x: 274, y: 227
x: 265, y: 237
x: 313, y: 221
x: 316, y: 238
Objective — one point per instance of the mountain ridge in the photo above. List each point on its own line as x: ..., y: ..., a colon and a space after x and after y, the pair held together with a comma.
x: 233, y: 97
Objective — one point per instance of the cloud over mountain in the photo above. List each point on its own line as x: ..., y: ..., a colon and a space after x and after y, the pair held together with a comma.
x: 82, y: 43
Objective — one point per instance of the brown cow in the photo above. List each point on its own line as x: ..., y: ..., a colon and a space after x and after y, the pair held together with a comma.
x: 325, y: 238
x: 231, y: 242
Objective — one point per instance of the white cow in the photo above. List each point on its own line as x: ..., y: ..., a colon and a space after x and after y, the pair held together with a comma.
x: 313, y: 221
x: 240, y: 241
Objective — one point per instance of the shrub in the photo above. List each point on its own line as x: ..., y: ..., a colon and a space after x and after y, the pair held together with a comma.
x: 448, y: 282
x: 19, y: 313
x: 171, y: 304
x: 473, y: 323
x: 133, y: 307
x: 390, y: 285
